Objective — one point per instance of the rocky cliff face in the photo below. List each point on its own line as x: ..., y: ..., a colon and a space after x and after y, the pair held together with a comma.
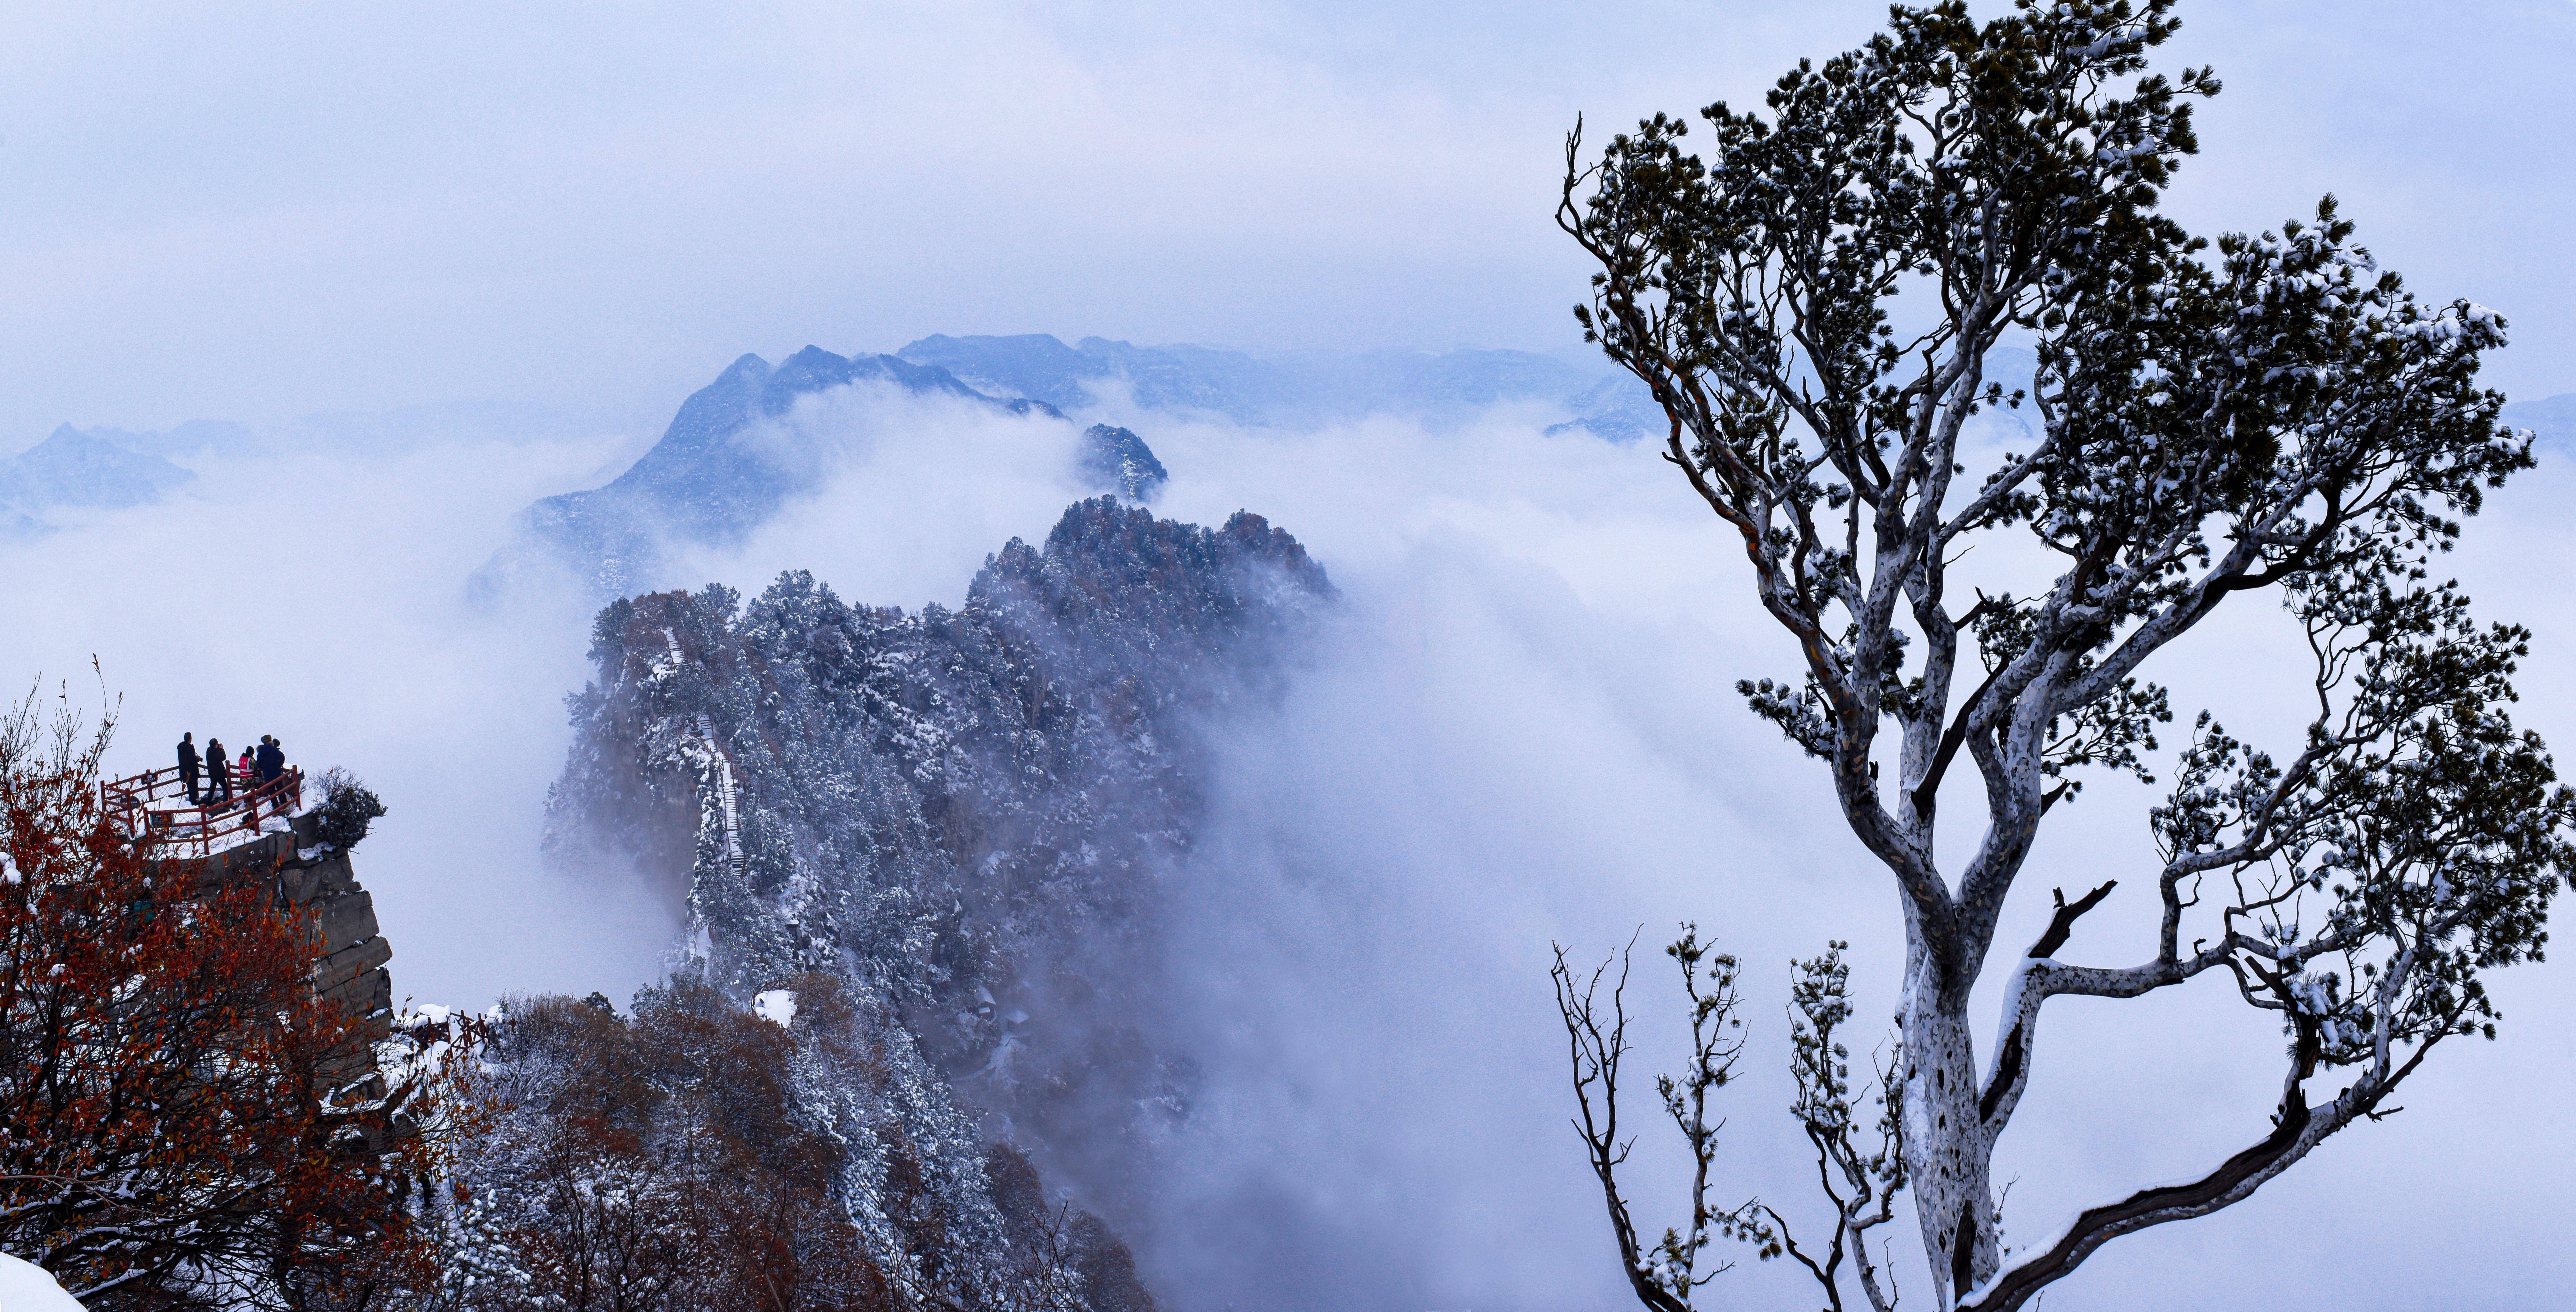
x: 966, y: 814
x: 317, y: 880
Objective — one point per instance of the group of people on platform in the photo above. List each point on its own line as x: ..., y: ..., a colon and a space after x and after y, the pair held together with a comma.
x: 258, y: 766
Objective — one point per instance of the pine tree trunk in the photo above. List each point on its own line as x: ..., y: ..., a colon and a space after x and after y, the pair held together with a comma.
x: 1947, y: 1152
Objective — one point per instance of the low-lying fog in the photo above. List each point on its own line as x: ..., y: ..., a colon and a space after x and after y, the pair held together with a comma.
x: 1523, y: 730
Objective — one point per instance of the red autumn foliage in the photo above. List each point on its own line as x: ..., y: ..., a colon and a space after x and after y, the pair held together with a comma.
x: 699, y: 1157
x: 656, y: 1164
x: 164, y: 1139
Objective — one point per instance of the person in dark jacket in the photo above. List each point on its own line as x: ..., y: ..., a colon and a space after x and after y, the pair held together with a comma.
x: 188, y: 764
x: 219, y: 773
x: 272, y: 760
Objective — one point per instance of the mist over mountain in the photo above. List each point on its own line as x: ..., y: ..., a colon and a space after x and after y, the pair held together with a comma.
x: 967, y: 817
x: 733, y: 457
x: 73, y: 469
x: 2553, y: 418
x: 903, y: 826
x: 1292, y: 388
x: 106, y: 467
x: 1022, y: 910
x: 745, y: 446
x: 1413, y: 813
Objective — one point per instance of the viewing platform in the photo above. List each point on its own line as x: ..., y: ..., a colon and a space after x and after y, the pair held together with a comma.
x: 155, y: 803
x: 265, y: 832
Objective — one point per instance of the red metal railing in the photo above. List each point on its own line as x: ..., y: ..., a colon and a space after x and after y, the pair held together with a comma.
x: 155, y: 803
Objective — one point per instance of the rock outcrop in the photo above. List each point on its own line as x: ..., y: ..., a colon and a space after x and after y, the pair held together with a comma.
x: 321, y: 883
x: 1118, y: 460
x: 967, y: 814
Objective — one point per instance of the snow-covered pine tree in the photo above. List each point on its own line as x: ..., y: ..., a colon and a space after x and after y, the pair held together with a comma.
x: 1816, y: 300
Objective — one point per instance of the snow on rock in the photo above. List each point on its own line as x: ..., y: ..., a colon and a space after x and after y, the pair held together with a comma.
x: 777, y: 1006
x: 24, y: 1287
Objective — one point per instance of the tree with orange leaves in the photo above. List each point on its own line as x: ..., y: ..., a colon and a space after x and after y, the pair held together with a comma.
x: 168, y: 1134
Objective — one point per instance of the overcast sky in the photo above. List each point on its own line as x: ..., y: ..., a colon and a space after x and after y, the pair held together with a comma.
x: 255, y: 212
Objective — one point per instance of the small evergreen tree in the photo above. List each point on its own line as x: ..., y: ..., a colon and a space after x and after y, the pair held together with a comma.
x: 347, y: 808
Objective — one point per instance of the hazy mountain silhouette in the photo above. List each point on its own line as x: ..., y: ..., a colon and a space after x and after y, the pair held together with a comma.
x: 719, y: 472
x: 73, y: 469
x: 1293, y: 387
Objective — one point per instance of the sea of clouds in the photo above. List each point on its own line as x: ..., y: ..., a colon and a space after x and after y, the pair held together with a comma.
x: 1521, y: 730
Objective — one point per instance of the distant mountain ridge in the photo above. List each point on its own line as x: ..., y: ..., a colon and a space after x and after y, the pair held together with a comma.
x: 704, y: 485
x: 72, y: 469
x: 2553, y: 417
x: 708, y: 481
x: 375, y: 432
x: 107, y: 468
x: 196, y: 437
x: 1291, y: 388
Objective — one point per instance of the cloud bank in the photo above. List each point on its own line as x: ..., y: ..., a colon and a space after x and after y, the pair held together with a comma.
x: 1522, y: 731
